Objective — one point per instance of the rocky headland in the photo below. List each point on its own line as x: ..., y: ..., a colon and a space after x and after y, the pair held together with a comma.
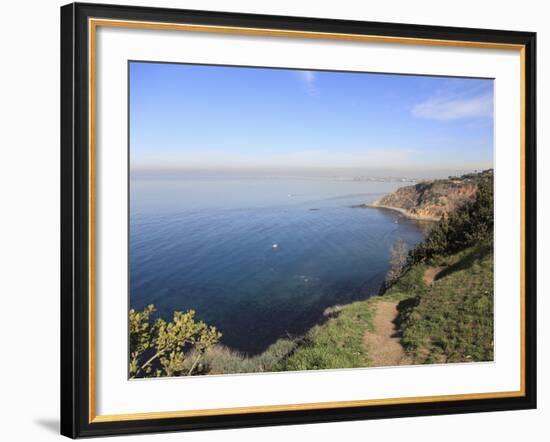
x: 433, y: 200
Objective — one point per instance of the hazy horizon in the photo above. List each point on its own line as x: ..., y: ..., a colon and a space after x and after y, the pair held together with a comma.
x: 348, y: 173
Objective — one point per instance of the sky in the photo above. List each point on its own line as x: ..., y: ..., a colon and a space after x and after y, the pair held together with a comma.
x: 222, y: 118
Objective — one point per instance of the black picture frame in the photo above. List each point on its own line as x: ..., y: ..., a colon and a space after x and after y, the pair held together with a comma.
x: 75, y: 220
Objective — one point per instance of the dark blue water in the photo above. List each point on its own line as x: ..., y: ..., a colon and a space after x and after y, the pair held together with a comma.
x: 207, y: 244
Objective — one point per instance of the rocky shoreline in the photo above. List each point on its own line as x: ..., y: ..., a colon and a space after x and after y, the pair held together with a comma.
x: 403, y: 212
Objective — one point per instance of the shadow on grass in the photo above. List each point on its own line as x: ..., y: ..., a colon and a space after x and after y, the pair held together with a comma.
x: 467, y: 261
x: 403, y: 309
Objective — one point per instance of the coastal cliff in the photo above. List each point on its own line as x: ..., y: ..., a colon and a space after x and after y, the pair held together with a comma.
x: 434, y: 200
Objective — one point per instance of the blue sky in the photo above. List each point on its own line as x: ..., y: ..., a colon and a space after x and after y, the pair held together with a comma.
x: 213, y: 117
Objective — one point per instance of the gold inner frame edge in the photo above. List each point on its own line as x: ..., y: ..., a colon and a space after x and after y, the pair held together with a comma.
x: 93, y: 24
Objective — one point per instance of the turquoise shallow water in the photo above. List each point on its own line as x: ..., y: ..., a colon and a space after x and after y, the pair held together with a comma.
x: 206, y: 243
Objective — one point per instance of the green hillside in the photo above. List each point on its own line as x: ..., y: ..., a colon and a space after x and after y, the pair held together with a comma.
x: 452, y: 321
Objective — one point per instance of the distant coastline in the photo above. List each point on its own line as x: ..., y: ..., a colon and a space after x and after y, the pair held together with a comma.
x: 402, y: 212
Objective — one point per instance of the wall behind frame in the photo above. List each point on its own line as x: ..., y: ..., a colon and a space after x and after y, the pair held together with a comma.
x: 29, y: 225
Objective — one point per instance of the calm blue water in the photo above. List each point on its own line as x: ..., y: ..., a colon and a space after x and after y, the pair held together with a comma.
x: 205, y: 243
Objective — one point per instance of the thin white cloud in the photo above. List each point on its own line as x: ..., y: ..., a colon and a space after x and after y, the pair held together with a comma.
x: 310, y: 82
x: 454, y: 108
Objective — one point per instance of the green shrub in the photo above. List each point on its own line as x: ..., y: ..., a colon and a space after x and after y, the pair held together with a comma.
x: 466, y: 226
x: 220, y: 359
x: 162, y: 348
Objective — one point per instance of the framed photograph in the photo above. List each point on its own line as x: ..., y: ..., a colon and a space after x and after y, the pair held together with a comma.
x: 273, y: 220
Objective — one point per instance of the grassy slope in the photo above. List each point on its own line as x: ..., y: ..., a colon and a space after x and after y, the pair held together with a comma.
x: 453, y: 320
x: 221, y: 359
x: 336, y: 344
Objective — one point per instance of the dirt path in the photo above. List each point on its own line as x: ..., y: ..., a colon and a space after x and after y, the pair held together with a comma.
x: 383, y: 344
x: 431, y: 273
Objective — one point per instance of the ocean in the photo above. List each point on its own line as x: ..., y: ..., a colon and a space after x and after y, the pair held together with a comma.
x: 260, y: 258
